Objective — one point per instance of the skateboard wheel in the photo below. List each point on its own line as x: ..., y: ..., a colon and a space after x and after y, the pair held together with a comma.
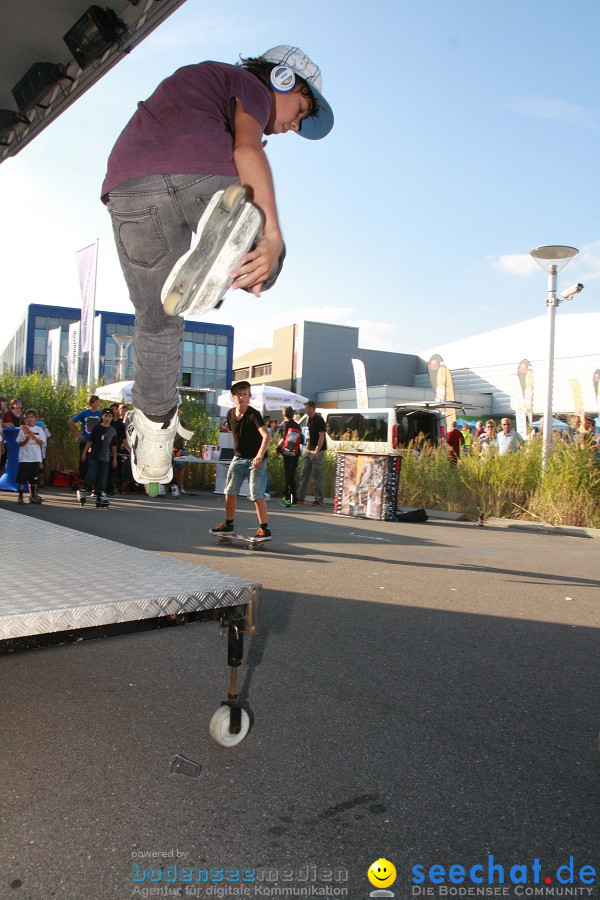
x: 152, y: 489
x: 219, y: 727
x: 232, y: 196
x: 172, y: 303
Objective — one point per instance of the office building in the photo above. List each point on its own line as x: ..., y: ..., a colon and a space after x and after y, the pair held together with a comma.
x: 207, y: 352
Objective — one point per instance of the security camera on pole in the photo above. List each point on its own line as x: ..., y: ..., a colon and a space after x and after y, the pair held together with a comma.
x: 553, y: 259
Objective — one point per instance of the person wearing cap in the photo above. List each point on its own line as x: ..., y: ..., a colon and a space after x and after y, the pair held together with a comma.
x: 102, y: 449
x: 199, y: 132
x: 251, y: 441
x: 82, y: 424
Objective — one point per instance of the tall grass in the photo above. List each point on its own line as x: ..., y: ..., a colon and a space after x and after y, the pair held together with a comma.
x: 509, y: 486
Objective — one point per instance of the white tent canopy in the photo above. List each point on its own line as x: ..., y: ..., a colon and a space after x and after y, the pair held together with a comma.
x: 266, y: 396
x: 119, y: 391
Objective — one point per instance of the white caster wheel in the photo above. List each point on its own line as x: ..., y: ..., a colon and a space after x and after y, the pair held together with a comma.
x: 172, y: 304
x: 219, y: 727
x: 233, y: 196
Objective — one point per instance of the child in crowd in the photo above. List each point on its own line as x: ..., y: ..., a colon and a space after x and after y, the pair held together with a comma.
x: 102, y: 449
x: 31, y: 440
x: 250, y: 444
x: 289, y: 447
x: 199, y: 132
x: 41, y: 424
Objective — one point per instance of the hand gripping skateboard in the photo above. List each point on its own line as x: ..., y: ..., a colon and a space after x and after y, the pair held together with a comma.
x: 227, y: 230
x: 252, y: 542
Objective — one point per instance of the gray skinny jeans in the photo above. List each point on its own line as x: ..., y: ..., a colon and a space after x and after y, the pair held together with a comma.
x: 153, y: 219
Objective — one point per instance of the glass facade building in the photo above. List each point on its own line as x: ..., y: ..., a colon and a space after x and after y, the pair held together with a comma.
x: 207, y: 352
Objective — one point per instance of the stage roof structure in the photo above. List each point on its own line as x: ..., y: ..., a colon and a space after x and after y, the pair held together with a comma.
x: 52, y: 51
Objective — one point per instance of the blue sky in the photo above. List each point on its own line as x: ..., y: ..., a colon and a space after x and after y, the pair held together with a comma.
x: 466, y: 134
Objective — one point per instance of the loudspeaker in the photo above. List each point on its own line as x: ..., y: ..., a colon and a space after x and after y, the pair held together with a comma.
x: 93, y: 33
x: 36, y: 82
x: 8, y: 119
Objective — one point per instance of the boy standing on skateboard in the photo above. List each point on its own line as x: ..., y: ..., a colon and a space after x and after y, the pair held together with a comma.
x: 251, y: 441
x: 200, y: 132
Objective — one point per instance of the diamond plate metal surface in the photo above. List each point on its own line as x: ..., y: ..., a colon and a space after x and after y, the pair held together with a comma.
x: 57, y: 581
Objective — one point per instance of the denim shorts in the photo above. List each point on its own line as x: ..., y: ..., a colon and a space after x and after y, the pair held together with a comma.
x: 240, y: 469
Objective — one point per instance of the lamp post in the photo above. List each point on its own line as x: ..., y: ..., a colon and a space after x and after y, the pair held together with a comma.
x: 552, y: 260
x: 123, y: 341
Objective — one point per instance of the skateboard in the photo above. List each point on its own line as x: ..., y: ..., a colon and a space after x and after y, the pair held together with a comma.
x: 226, y: 231
x: 253, y: 543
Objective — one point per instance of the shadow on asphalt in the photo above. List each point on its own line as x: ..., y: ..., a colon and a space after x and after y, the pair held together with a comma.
x: 432, y: 736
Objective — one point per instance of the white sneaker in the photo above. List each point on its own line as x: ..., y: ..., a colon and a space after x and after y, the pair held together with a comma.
x: 174, y: 490
x: 152, y: 447
x: 161, y: 490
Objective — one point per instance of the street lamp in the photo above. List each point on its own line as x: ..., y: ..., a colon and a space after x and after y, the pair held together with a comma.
x: 123, y: 340
x: 553, y: 260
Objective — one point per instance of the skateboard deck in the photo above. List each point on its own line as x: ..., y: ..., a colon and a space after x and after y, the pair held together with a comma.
x: 253, y: 543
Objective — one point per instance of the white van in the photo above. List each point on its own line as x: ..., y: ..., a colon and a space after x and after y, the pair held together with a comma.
x: 385, y: 429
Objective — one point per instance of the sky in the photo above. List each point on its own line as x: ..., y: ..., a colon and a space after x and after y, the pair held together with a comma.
x: 466, y: 134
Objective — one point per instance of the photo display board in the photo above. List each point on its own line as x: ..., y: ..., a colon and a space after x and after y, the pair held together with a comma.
x: 366, y: 485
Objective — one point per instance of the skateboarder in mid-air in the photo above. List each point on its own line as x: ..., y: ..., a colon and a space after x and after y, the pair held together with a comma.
x: 199, y: 133
x: 251, y: 441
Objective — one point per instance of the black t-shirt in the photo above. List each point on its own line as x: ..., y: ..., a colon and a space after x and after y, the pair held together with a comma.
x: 102, y: 439
x: 246, y: 436
x: 119, y: 426
x: 315, y: 426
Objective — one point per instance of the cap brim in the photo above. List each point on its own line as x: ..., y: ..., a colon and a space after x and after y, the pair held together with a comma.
x: 316, y: 127
x: 238, y: 384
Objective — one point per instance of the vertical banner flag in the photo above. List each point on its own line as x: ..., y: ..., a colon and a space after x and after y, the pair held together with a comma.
x: 577, y: 401
x: 517, y: 401
x: 442, y: 385
x: 95, y: 358
x: 525, y: 373
x: 360, y: 381
x: 86, y: 266
x: 53, y: 354
x: 596, y: 382
x: 435, y: 367
x: 73, y: 353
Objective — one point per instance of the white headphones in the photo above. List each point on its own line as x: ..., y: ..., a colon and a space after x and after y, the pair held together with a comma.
x: 283, y: 79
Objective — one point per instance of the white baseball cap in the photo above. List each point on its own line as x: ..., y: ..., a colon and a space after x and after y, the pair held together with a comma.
x: 312, y: 127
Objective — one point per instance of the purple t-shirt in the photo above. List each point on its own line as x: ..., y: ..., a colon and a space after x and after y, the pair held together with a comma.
x: 186, y: 126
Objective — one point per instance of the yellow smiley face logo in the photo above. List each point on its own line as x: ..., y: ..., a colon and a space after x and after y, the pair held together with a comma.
x: 381, y: 873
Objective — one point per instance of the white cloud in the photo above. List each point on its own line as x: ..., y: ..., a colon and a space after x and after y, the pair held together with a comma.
x: 589, y: 259
x: 515, y: 263
x: 557, y: 111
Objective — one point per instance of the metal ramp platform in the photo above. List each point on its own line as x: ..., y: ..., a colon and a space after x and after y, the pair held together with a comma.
x: 50, y: 600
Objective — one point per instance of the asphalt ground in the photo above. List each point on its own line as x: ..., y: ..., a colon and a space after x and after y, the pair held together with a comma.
x: 424, y: 693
